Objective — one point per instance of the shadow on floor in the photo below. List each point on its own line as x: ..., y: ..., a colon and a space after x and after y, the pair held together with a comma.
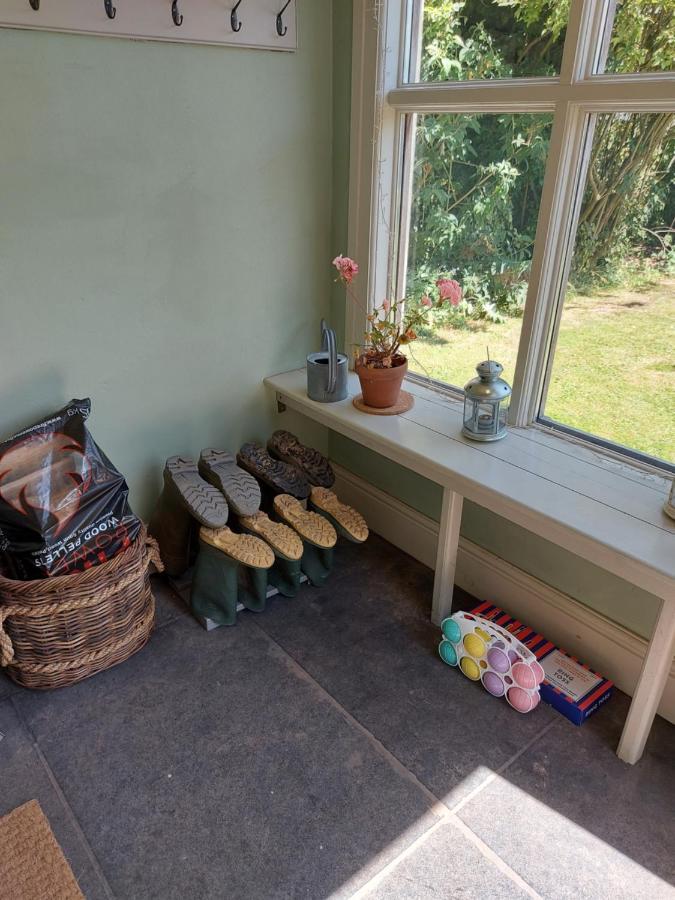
x: 320, y: 747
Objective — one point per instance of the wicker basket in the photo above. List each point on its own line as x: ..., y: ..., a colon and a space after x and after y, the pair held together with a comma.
x: 56, y: 631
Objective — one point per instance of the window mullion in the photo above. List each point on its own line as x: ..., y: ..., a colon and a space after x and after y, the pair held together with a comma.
x: 588, y: 25
x: 374, y: 155
x: 565, y: 171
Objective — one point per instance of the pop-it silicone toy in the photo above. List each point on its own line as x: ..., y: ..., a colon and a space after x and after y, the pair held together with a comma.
x: 487, y: 653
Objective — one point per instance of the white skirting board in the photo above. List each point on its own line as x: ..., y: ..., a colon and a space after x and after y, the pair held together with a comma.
x: 612, y: 650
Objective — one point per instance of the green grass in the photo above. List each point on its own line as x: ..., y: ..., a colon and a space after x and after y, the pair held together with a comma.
x: 614, y: 369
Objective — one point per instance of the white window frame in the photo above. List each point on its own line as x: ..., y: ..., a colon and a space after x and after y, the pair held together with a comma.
x: 379, y: 195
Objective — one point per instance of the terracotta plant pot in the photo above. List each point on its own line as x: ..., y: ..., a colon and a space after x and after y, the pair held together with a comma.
x: 381, y: 387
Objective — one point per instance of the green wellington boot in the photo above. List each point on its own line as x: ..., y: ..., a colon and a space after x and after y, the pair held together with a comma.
x: 318, y: 537
x: 286, y: 572
x: 185, y: 497
x: 217, y: 585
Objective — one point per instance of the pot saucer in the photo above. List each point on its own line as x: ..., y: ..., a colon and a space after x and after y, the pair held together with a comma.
x: 405, y: 402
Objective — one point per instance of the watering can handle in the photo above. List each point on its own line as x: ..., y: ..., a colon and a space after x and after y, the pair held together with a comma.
x: 329, y: 344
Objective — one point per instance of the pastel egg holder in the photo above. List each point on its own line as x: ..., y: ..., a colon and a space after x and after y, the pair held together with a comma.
x: 486, y: 652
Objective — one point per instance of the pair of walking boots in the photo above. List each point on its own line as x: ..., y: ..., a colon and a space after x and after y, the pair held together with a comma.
x: 286, y: 467
x: 296, y: 483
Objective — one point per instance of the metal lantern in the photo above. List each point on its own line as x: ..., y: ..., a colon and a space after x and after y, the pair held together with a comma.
x: 486, y: 403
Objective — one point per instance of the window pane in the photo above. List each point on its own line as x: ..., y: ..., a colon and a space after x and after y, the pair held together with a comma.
x: 462, y: 40
x: 643, y: 37
x: 613, y: 370
x: 477, y: 183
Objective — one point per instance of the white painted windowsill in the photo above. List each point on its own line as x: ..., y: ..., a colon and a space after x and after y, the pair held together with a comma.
x: 600, y: 508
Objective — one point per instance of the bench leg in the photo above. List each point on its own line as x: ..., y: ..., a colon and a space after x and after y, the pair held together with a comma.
x: 446, y: 555
x: 652, y: 680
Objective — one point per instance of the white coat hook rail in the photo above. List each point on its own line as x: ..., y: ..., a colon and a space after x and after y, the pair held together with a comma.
x: 255, y: 24
x: 282, y: 29
x: 235, y: 23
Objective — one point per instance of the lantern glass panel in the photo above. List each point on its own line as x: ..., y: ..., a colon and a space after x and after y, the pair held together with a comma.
x: 486, y: 418
x: 468, y: 413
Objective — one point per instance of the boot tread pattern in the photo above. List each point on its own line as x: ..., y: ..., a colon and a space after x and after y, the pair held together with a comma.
x: 202, y: 501
x: 309, y: 525
x: 314, y: 465
x: 239, y: 487
x: 243, y: 548
x: 280, y: 537
x: 282, y: 477
x: 346, y: 516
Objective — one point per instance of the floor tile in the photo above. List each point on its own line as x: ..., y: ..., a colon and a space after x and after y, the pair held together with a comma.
x: 208, y: 766
x: 168, y: 605
x: 574, y: 821
x: 446, y: 865
x: 23, y: 777
x: 7, y: 686
x: 367, y: 638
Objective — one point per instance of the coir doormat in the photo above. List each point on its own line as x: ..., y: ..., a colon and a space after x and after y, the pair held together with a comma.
x: 32, y: 865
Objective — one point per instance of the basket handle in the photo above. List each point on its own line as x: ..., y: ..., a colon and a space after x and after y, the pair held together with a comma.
x: 6, y: 648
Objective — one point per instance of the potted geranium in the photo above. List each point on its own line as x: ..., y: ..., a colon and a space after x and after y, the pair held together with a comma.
x: 379, y: 361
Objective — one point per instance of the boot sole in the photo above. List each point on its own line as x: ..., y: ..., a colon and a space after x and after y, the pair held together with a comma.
x: 242, y: 548
x: 282, y: 477
x: 313, y: 465
x: 202, y: 500
x: 350, y: 522
x: 310, y: 525
x: 281, y: 538
x: 240, y: 489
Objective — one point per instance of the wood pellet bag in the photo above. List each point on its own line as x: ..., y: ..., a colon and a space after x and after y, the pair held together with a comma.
x: 63, y: 505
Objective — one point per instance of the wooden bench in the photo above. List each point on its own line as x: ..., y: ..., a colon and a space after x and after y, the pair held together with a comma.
x: 595, y: 506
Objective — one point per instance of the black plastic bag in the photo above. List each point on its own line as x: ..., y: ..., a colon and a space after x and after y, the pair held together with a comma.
x: 63, y: 505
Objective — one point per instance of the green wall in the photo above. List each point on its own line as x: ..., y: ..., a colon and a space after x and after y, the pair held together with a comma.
x: 164, y: 230
x: 594, y: 587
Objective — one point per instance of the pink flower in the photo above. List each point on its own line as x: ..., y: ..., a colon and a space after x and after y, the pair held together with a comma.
x: 427, y: 302
x: 450, y: 290
x: 347, y: 268
x: 386, y: 306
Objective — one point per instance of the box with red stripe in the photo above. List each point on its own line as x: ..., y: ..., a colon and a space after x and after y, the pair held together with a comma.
x: 572, y: 687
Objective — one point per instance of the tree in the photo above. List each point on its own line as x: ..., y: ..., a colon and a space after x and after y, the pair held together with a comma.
x: 478, y: 179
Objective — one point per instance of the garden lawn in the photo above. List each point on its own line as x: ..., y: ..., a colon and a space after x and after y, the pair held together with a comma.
x: 614, y: 369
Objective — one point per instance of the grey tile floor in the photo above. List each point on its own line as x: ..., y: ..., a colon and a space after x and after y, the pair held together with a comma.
x: 321, y: 749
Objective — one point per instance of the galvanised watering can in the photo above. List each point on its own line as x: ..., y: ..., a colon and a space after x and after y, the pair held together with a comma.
x: 327, y: 370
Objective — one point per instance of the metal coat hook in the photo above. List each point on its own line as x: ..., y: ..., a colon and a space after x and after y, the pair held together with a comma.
x: 177, y: 17
x: 281, y: 28
x: 110, y: 10
x: 234, y: 18
x: 34, y: 4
